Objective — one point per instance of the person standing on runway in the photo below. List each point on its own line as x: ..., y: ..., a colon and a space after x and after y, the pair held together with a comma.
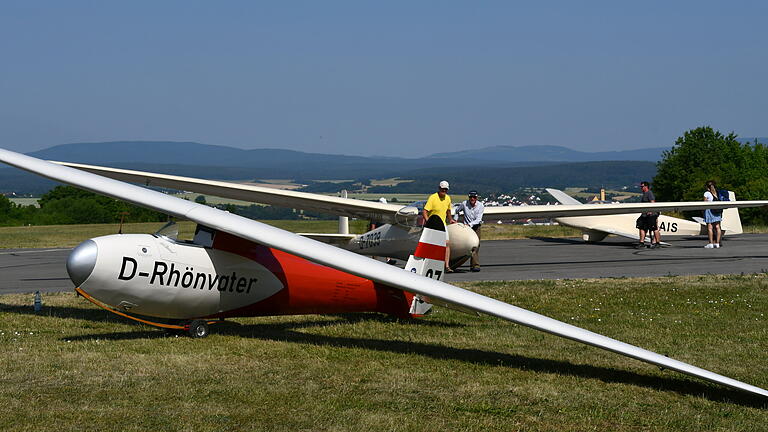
x: 472, y: 215
x: 648, y: 221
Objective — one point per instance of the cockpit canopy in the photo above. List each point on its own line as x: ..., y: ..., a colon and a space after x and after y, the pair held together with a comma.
x: 203, y: 234
x: 410, y: 215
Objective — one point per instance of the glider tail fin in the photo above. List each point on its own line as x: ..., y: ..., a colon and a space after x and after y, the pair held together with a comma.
x: 428, y: 260
x: 731, y: 223
x: 562, y: 197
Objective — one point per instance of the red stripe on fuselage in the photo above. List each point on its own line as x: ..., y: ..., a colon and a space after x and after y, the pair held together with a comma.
x: 426, y: 250
x: 311, y: 288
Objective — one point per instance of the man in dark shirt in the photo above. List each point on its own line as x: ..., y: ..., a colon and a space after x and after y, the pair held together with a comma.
x: 647, y: 222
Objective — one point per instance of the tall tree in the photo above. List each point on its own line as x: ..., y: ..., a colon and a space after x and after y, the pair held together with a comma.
x: 705, y: 154
x: 69, y: 205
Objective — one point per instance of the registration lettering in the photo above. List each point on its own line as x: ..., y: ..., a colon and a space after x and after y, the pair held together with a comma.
x: 668, y: 226
x: 165, y: 275
x: 370, y: 239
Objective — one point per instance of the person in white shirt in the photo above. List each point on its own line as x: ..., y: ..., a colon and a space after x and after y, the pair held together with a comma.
x: 472, y: 211
x: 712, y: 217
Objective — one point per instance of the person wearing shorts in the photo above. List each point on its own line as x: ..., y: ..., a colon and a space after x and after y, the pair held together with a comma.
x: 648, y: 221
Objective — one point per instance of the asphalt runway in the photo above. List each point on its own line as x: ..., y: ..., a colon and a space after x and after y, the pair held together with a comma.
x: 29, y: 270
x: 570, y: 258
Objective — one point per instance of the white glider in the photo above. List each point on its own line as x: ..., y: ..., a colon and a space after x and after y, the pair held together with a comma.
x: 596, y: 228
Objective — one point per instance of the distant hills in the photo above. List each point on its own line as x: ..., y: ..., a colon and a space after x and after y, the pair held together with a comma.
x: 218, y: 162
x: 545, y: 153
x: 192, y: 153
x: 182, y: 153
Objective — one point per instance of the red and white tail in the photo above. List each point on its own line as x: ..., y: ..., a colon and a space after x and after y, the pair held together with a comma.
x: 428, y: 260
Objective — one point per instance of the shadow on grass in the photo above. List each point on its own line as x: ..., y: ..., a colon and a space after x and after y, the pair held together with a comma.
x: 89, y: 314
x: 287, y: 332
x: 100, y: 315
x: 683, y: 386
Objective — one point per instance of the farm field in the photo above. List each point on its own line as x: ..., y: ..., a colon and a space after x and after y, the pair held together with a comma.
x: 25, y: 201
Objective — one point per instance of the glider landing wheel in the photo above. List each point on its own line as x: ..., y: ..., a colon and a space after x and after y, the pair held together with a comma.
x: 198, y: 329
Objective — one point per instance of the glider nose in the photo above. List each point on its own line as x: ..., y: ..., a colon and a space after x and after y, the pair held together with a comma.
x: 81, y: 261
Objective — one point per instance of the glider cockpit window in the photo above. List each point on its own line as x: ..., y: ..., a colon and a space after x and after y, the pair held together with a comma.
x: 169, y: 231
x: 203, y: 235
x: 409, y: 215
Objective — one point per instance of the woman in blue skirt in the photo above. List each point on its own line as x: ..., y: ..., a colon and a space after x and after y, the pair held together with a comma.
x: 712, y: 217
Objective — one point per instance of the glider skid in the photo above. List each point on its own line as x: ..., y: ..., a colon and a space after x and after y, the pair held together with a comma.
x: 197, y: 328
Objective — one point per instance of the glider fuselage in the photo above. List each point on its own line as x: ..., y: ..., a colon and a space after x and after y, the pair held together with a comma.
x: 668, y: 225
x: 399, y: 242
x: 154, y: 276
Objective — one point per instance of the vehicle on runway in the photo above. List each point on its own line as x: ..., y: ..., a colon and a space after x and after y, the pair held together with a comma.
x: 398, y: 227
x: 596, y: 228
x: 240, y: 267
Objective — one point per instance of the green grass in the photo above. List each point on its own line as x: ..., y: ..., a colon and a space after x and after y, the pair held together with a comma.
x: 492, y: 231
x: 755, y: 229
x: 75, y: 367
x: 72, y: 235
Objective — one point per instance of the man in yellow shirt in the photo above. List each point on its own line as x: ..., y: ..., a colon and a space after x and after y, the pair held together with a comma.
x: 439, y: 203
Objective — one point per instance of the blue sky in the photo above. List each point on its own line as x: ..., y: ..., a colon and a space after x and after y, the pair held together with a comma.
x: 399, y: 78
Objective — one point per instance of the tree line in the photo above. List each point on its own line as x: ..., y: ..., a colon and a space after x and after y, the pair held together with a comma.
x: 66, y: 205
x: 704, y: 154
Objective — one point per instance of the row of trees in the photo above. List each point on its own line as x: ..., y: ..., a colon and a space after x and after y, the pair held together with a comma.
x: 64, y: 205
x: 705, y: 154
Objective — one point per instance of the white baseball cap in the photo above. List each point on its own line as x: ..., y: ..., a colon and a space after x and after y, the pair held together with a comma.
x: 444, y: 185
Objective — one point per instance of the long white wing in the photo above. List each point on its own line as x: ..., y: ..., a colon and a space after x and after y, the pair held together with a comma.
x: 375, y: 210
x: 352, y: 263
x: 283, y: 198
x: 554, y: 211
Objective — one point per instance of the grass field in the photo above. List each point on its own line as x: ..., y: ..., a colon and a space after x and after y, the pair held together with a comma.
x: 72, y: 235
x: 508, y: 231
x: 75, y: 367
